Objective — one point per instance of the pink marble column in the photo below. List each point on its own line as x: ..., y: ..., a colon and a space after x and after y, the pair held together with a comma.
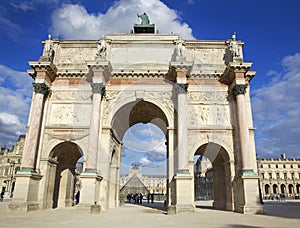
x: 32, y: 136
x: 239, y: 91
x: 91, y: 160
x: 182, y: 126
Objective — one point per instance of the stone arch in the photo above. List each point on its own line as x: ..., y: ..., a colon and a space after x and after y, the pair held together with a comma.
x: 267, y: 190
x: 129, y: 114
x: 222, y: 176
x: 133, y: 100
x: 61, y: 174
x: 291, y: 189
x: 298, y: 189
x: 215, y: 142
x: 275, y: 188
x: 283, y: 188
x: 135, y: 112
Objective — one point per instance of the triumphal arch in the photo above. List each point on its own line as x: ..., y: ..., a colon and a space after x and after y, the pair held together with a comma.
x: 87, y: 93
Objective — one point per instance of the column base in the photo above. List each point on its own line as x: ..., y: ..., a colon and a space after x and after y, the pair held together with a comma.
x: 247, y: 209
x: 23, y: 206
x: 248, y: 200
x: 248, y: 172
x: 26, y: 191
x: 94, y: 208
x: 184, y: 193
x: 90, y: 191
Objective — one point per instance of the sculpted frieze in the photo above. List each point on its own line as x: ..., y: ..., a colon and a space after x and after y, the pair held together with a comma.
x: 209, y: 56
x: 208, y: 96
x: 76, y: 55
x: 71, y: 95
x: 209, y: 115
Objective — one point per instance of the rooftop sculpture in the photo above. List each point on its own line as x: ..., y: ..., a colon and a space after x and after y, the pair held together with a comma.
x: 144, y: 26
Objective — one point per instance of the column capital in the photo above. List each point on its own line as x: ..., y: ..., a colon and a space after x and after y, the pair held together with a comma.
x: 41, y: 88
x: 239, y: 89
x: 181, y: 87
x: 98, y: 88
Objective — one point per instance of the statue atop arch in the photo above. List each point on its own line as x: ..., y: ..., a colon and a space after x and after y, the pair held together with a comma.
x: 144, y: 26
x: 145, y: 19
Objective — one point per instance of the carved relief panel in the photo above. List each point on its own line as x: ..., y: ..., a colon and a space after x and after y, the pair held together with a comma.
x: 209, y: 115
x: 69, y: 115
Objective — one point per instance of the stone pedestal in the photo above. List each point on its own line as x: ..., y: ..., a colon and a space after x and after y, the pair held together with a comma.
x: 184, y: 192
x: 26, y: 192
x: 248, y: 195
x: 90, y: 191
x: 95, y: 209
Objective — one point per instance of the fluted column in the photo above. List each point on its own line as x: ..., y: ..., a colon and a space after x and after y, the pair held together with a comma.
x: 32, y: 137
x: 181, y: 89
x: 91, y: 160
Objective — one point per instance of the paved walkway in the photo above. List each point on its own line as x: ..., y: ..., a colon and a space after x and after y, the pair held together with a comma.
x: 278, y: 214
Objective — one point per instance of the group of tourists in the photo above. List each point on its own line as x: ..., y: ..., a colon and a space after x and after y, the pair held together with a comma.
x: 138, y: 198
x: 280, y: 197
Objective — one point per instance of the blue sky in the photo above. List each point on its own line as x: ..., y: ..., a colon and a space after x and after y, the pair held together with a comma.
x: 270, y: 30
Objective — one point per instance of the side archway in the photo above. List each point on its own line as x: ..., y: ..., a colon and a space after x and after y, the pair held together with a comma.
x: 61, y: 173
x: 222, y: 184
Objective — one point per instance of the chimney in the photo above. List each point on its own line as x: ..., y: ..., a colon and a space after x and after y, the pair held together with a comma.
x: 283, y: 156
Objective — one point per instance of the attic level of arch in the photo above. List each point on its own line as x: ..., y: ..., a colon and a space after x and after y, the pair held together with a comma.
x: 143, y: 56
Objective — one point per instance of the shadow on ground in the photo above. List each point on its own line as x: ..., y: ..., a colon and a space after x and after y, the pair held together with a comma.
x: 158, y: 207
x: 284, y: 209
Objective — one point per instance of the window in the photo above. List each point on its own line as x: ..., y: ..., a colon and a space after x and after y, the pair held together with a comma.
x: 284, y: 166
x: 270, y: 175
x: 269, y: 166
x: 291, y: 166
x: 293, y: 176
x: 277, y: 175
x: 276, y: 166
x: 262, y: 176
x: 285, y: 176
x: 6, y: 171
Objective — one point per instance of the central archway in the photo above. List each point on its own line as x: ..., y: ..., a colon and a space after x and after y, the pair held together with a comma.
x: 134, y: 113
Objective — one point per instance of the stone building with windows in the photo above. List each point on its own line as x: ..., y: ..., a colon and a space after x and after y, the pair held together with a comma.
x: 10, y: 162
x: 279, y: 176
x: 136, y: 182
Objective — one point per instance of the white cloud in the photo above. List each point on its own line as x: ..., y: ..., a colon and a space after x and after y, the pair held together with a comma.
x: 276, y: 109
x: 72, y: 21
x: 15, y: 99
x: 144, y: 161
x: 10, y: 128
